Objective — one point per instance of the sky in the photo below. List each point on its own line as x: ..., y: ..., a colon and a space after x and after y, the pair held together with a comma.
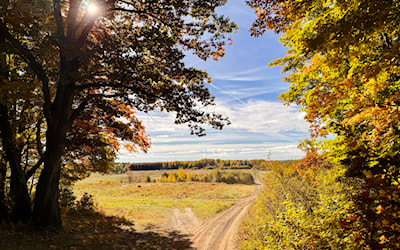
x: 246, y: 91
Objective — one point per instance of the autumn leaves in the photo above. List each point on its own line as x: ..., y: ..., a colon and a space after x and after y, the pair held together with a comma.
x: 344, y: 68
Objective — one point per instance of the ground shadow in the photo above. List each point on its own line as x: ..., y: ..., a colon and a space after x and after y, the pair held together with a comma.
x: 90, y: 231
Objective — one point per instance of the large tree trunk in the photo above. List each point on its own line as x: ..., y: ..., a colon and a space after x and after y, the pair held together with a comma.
x: 21, y: 210
x: 3, y: 207
x: 19, y: 193
x: 46, y: 211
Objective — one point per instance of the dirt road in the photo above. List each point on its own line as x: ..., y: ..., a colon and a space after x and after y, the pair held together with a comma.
x: 219, y: 233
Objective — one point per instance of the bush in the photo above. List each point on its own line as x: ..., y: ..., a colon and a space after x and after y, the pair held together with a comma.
x: 86, y: 203
x: 67, y: 198
x: 229, y: 177
x: 300, y: 212
x: 68, y: 202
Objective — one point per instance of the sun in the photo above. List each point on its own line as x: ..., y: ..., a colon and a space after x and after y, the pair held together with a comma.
x: 92, y: 8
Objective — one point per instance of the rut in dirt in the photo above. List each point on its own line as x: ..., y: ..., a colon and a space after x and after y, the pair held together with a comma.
x: 220, y: 232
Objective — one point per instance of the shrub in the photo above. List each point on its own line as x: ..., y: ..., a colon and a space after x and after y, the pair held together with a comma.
x: 300, y: 212
x: 67, y: 198
x: 68, y: 202
x: 86, y: 203
x: 171, y: 177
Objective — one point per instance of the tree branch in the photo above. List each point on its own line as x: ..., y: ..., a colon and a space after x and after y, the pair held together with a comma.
x: 80, y: 108
x: 59, y: 20
x: 31, y: 171
x: 38, y: 141
x: 139, y: 12
x: 86, y: 30
x: 72, y: 14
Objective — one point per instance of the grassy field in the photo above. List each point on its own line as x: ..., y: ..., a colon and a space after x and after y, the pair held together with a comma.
x: 149, y: 204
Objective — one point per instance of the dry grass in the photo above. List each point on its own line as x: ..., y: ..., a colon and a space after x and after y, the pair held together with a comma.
x: 123, y: 203
x: 148, y: 204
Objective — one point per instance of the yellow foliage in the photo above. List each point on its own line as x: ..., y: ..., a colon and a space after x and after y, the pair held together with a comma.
x: 300, y: 213
x: 171, y: 178
x: 181, y: 175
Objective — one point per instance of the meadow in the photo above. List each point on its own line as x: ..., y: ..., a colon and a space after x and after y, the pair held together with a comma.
x: 151, y: 204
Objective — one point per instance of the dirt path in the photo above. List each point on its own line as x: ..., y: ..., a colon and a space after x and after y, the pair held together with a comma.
x: 219, y: 233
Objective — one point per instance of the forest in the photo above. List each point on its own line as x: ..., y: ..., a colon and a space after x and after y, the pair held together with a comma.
x: 204, y: 164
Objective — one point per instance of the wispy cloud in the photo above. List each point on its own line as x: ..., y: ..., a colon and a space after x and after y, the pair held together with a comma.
x: 247, y: 75
x: 244, y: 92
x: 228, y: 93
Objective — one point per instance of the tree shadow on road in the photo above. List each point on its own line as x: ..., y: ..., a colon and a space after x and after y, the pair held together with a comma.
x: 90, y: 231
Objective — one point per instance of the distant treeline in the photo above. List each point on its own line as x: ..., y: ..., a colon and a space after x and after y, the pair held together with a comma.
x: 204, y: 164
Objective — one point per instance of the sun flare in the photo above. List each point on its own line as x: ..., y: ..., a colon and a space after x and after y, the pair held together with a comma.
x: 92, y: 8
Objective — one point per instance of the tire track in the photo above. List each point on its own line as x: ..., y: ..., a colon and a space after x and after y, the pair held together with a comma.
x: 220, y: 232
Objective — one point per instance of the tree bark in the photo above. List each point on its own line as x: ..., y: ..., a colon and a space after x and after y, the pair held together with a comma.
x: 46, y: 211
x: 21, y: 210
x: 3, y: 207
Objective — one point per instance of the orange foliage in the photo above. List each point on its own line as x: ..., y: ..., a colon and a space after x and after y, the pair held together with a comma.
x: 311, y: 161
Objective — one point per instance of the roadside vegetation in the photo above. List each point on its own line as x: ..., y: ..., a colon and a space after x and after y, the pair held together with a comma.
x: 301, y: 209
x: 343, y: 66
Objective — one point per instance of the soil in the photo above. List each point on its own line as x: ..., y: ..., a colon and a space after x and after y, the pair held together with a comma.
x: 217, y: 233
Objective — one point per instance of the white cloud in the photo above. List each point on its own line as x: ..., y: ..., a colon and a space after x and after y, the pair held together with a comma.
x: 244, y: 87
x: 265, y: 117
x: 257, y: 128
x: 195, y: 151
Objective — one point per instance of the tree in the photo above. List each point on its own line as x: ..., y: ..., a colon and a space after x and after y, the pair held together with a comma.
x: 94, y: 70
x: 344, y: 69
x: 19, y: 120
x: 181, y: 175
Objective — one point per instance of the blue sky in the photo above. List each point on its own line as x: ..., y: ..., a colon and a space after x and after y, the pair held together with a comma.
x: 246, y: 90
